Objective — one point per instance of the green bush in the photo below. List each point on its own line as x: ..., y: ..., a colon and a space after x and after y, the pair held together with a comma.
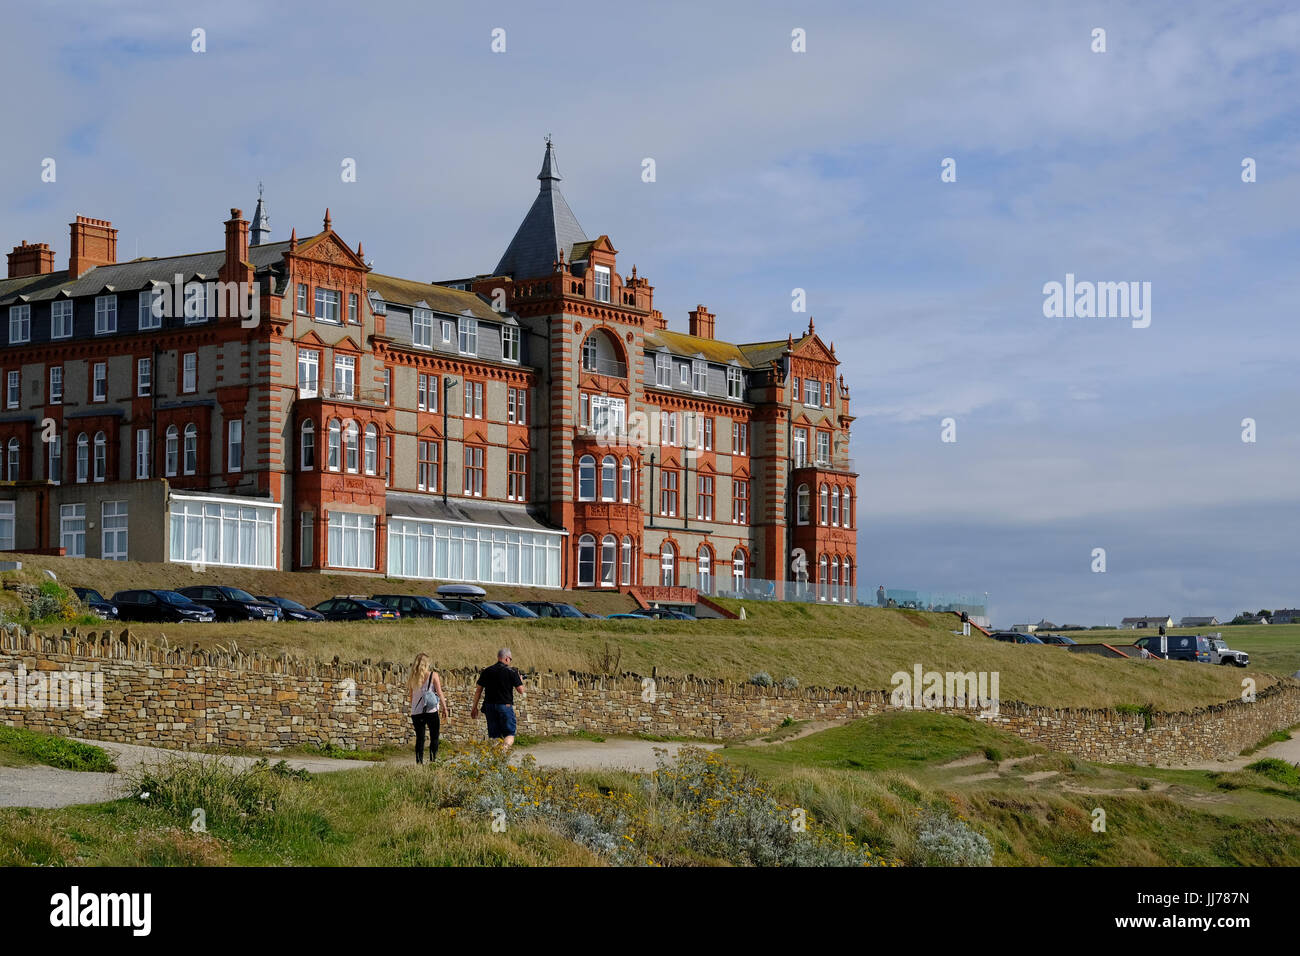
x: 54, y: 751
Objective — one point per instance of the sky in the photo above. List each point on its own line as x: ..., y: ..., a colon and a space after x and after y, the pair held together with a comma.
x: 777, y: 169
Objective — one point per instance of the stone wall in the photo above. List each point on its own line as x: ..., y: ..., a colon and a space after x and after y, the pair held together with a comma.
x: 177, y: 697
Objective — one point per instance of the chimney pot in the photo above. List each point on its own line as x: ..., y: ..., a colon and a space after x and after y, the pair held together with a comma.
x: 702, y: 322
x: 31, y: 259
x: 94, y: 243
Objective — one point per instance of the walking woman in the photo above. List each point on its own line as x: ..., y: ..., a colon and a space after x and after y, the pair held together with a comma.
x: 427, y: 701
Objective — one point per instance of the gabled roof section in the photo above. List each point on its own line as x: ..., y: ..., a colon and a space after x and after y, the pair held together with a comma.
x: 410, y: 293
x: 548, y: 229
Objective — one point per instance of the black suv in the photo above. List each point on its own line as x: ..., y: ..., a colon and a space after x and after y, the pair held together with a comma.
x: 418, y: 605
x: 552, y: 609
x: 232, y: 604
x: 477, y: 609
x: 96, y: 603
x: 167, y: 606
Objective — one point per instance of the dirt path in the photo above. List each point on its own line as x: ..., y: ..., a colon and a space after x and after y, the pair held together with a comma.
x: 48, y: 787
x: 1288, y: 750
x: 636, y: 755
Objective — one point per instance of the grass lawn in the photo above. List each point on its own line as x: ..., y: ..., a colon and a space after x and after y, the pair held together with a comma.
x: 19, y: 748
x: 874, y: 778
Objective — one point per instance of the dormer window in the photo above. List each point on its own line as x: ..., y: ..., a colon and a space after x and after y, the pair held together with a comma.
x: 600, y: 283
x: 735, y: 383
x: 699, y: 376
x: 468, y: 329
x: 422, y: 328
x: 510, y: 343
x: 196, y: 303
x: 664, y: 370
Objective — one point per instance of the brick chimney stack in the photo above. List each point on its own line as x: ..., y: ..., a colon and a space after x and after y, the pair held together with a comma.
x: 94, y: 243
x: 237, y: 268
x: 702, y: 322
x: 36, y: 259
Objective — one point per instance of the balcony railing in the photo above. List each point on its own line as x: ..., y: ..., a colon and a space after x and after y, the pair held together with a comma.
x: 600, y: 366
x: 362, y: 396
x: 812, y: 461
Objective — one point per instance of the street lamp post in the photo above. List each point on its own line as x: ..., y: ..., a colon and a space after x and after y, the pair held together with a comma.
x: 447, y: 385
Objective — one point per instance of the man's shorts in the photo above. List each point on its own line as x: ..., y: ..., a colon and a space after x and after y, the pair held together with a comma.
x: 500, y: 720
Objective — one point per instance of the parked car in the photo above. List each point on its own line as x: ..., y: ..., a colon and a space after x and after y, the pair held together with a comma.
x: 516, y: 609
x: 96, y: 603
x: 461, y: 591
x: 1193, y: 647
x: 166, y: 606
x: 355, y: 609
x: 1060, y: 640
x: 479, y: 610
x: 232, y: 604
x: 418, y: 605
x: 292, y: 610
x: 1014, y: 637
x: 666, y: 614
x: 628, y: 617
x: 552, y: 609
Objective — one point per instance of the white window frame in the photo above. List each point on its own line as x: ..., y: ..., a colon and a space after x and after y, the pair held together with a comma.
x: 196, y: 303
x: 146, y: 318
x: 99, y: 380
x: 510, y: 339
x: 13, y: 389
x: 735, y: 383
x: 61, y: 319
x: 467, y: 335
x: 699, y: 376
x: 20, y: 323
x: 601, y: 284
x: 663, y: 370
x: 190, y: 449
x: 190, y: 372
x: 56, y: 394
x: 422, y: 328
x: 345, y: 373
x: 235, y: 444
x: 143, y: 376
x: 8, y: 523
x: 143, y: 452
x: 72, y: 530
x: 328, y: 305
x: 114, y: 537
x: 105, y: 314
x: 308, y: 373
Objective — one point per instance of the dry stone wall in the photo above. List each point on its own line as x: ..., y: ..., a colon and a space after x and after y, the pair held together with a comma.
x: 182, y: 698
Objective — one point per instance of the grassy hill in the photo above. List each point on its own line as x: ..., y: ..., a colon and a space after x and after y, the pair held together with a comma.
x: 817, y: 644
x: 1272, y: 647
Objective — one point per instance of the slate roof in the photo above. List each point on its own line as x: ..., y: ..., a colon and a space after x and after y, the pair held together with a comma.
x: 484, y: 514
x: 549, y: 227
x: 764, y: 353
x: 439, y: 298
x: 134, y: 275
x: 692, y: 346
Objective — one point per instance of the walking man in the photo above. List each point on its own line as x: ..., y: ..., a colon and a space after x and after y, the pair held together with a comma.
x: 496, y: 688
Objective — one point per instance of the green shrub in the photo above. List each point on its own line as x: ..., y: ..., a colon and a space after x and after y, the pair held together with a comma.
x: 54, y: 751
x: 761, y: 679
x: 949, y: 841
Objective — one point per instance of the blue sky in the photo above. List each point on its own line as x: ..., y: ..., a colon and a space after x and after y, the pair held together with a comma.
x: 778, y: 170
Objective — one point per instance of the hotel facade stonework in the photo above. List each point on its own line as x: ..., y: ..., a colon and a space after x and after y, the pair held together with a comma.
x: 279, y: 404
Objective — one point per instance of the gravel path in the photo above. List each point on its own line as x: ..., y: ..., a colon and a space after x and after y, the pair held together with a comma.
x: 636, y: 755
x: 47, y: 787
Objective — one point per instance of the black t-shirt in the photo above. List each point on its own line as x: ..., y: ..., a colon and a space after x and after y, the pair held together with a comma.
x: 499, y: 683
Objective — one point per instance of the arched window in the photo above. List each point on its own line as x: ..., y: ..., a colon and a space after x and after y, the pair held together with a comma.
x: 608, y: 561
x: 15, y: 457
x: 350, y: 449
x: 307, y: 460
x: 738, y: 565
x: 849, y: 594
x: 83, y: 456
x: 835, y: 578
x: 668, y: 565
x: 627, y: 481
x: 821, y: 578
x: 608, y: 478
x: 805, y: 504
x: 101, y: 456
x: 835, y: 505
x: 586, y: 561
x: 191, y: 448
x: 333, y: 454
x: 586, y: 478
x: 589, y: 354
x: 628, y: 563
x: 173, y: 453
x: 704, y: 569
x: 372, y: 449
x: 823, y: 507
x: 847, y: 512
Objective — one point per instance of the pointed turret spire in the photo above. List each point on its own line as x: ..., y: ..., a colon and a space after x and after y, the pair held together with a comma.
x: 550, y: 171
x: 548, y: 229
x: 293, y: 238
x: 260, y: 231
x: 327, y: 218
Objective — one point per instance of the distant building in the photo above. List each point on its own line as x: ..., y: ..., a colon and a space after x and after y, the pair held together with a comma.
x: 1198, y: 622
x: 1288, y: 615
x: 1152, y: 621
x: 1024, y: 628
